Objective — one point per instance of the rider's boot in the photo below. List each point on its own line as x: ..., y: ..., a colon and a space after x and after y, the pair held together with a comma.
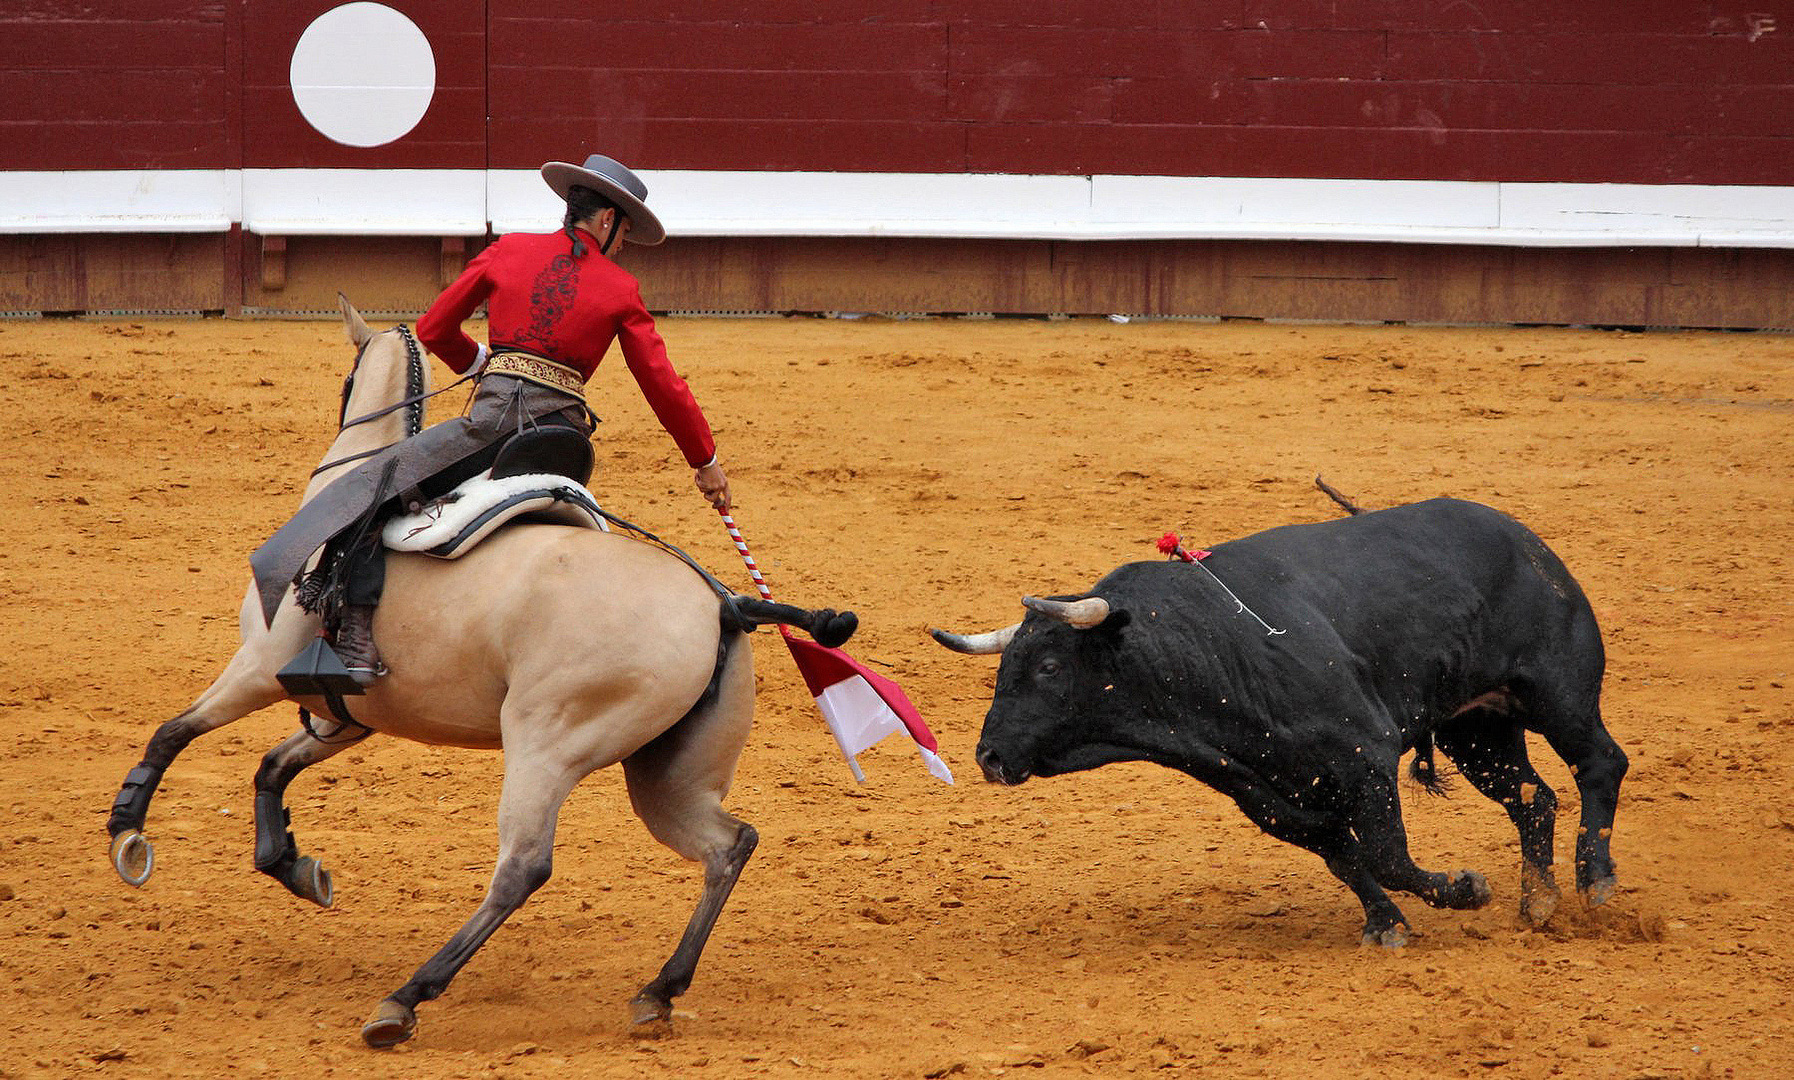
x: 355, y: 644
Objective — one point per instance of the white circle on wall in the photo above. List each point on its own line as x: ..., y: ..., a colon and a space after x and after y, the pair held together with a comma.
x: 363, y: 74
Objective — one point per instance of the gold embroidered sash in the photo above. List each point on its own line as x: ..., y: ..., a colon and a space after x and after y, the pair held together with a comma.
x: 537, y: 369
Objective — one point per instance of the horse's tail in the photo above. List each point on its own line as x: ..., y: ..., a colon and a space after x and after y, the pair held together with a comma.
x: 828, y: 627
x: 1345, y: 504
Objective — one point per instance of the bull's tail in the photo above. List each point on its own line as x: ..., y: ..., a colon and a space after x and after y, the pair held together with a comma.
x: 828, y: 627
x: 1423, y: 770
x: 1346, y: 504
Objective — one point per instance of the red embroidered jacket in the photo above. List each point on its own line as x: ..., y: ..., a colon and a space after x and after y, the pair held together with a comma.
x: 539, y: 299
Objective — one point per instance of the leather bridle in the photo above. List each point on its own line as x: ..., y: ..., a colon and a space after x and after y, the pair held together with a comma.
x: 413, y: 401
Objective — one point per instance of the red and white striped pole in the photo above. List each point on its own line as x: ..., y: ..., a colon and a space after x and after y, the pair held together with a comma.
x: 746, y: 556
x: 859, y: 705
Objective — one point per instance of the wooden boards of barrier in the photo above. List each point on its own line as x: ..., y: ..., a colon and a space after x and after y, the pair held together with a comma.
x: 1716, y: 287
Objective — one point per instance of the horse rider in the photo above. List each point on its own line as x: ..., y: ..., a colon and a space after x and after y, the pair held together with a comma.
x: 555, y: 302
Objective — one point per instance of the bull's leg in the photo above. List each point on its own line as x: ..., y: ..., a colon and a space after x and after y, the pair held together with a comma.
x: 676, y: 785
x: 1384, y: 923
x: 1490, y: 750
x: 1329, y: 838
x: 1377, y: 821
x: 1598, y: 764
x: 276, y: 853
x: 535, y: 785
x: 240, y: 690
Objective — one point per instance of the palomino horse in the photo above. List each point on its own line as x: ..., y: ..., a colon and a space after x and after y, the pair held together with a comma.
x: 570, y: 649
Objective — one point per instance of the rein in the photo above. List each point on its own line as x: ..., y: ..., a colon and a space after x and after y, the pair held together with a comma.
x: 413, y: 401
x: 722, y: 591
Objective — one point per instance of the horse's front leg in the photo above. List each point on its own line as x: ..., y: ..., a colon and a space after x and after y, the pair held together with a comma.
x: 246, y: 685
x: 276, y: 852
x: 133, y: 856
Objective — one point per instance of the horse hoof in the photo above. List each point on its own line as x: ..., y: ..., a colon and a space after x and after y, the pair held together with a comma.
x: 310, y: 881
x: 391, y: 1025
x: 1393, y: 938
x: 649, y: 1010
x: 1597, y: 893
x: 134, y: 857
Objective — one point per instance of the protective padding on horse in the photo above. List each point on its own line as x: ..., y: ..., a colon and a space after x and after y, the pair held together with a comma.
x: 450, y: 526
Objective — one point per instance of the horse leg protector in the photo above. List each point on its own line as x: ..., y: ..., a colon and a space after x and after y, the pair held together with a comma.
x: 132, y: 805
x: 275, y: 848
x: 277, y: 853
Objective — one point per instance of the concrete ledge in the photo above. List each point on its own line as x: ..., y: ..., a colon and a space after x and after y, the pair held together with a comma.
x: 471, y: 202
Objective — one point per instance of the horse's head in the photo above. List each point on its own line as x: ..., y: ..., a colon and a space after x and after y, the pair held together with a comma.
x: 388, y: 369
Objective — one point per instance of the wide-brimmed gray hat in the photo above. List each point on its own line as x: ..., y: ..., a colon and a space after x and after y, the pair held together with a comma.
x: 613, y: 180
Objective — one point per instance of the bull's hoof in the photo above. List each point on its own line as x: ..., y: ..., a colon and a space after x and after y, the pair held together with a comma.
x: 649, y: 1013
x: 1470, y: 890
x: 1538, y: 894
x: 392, y: 1024
x: 1597, y: 893
x: 134, y: 857
x: 310, y: 881
x: 1393, y: 937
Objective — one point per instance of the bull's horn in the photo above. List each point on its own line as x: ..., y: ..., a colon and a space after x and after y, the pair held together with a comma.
x: 1083, y: 614
x: 985, y: 644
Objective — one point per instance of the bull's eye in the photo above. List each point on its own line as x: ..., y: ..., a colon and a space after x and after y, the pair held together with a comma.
x: 1048, y: 668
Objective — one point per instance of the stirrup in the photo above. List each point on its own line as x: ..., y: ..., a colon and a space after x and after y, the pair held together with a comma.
x: 318, y: 671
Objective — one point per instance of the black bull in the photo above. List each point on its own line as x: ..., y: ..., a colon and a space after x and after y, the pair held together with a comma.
x: 1442, y: 622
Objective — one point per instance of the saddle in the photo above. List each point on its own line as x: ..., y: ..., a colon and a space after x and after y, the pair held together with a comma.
x: 451, y: 526
x: 539, y: 476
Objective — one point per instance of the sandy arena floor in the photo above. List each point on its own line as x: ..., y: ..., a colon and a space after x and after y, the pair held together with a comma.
x: 924, y: 473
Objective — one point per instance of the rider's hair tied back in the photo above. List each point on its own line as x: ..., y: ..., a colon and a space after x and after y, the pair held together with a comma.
x: 584, y: 203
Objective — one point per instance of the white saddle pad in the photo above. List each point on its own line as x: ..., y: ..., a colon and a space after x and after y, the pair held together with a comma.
x: 450, y: 526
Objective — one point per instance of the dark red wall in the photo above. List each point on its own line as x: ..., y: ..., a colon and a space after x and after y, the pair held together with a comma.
x: 1642, y: 91
x: 132, y: 84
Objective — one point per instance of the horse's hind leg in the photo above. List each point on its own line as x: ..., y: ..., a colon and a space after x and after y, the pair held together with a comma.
x: 1489, y: 749
x: 241, y: 690
x: 677, y: 784
x: 537, y: 781
x: 276, y: 853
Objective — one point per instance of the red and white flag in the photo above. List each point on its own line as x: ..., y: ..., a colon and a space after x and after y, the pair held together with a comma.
x: 859, y: 705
